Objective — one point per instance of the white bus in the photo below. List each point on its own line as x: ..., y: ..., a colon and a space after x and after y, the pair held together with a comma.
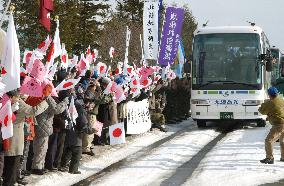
x: 231, y: 71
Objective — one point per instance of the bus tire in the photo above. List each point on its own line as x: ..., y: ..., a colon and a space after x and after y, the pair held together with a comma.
x: 201, y: 124
x: 261, y: 123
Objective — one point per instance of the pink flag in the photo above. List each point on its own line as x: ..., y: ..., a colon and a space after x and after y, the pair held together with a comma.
x: 119, y: 95
x: 6, y: 118
x: 27, y: 57
x: 98, y: 126
x: 82, y: 65
x: 38, y: 70
x: 67, y: 84
x: 32, y: 87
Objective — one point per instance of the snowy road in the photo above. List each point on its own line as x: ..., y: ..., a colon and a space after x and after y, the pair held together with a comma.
x: 183, y: 156
x: 202, y: 158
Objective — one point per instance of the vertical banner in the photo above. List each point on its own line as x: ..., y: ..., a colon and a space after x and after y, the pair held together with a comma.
x: 151, y: 29
x: 171, y: 35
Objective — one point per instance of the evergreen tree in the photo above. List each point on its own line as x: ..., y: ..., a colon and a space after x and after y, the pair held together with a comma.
x: 131, y: 10
x: 81, y: 23
x: 189, y: 26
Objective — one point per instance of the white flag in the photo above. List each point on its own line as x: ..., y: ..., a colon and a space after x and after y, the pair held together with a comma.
x: 67, y: 84
x: 72, y: 110
x: 150, y: 29
x: 117, y: 134
x: 6, y: 117
x: 11, y: 58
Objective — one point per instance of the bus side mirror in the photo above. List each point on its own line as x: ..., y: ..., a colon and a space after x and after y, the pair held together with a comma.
x: 269, y: 65
x: 262, y: 57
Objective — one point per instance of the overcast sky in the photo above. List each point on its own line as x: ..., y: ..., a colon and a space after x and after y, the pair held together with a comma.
x: 267, y: 14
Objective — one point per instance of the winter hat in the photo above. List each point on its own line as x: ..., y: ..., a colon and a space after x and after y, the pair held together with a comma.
x: 272, y: 91
x: 119, y: 80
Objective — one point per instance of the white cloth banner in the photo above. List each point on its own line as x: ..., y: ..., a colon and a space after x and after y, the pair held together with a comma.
x: 150, y: 29
x: 138, y: 117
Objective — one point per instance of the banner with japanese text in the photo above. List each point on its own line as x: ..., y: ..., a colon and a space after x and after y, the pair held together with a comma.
x: 138, y: 117
x: 171, y: 35
x: 150, y: 29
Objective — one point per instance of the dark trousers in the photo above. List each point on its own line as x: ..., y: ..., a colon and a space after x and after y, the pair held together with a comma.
x: 30, y: 157
x: 24, y: 158
x: 60, y: 147
x: 72, y: 153
x: 51, y: 151
x: 11, y: 166
x: 1, y: 163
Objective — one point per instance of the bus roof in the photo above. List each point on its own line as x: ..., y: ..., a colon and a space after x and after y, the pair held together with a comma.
x: 229, y: 29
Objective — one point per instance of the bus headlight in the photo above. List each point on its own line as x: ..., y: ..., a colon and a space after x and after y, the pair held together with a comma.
x: 253, y: 102
x: 199, y: 102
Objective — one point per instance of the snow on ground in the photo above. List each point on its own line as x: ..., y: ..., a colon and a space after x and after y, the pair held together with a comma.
x: 163, y: 161
x: 235, y: 161
x: 105, y: 156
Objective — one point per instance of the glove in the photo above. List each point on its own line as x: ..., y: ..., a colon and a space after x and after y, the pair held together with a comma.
x: 66, y: 100
x: 15, y: 106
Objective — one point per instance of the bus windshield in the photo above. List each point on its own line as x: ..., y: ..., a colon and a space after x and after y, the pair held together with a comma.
x: 229, y: 59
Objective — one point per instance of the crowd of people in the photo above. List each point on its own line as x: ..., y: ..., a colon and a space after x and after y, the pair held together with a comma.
x: 47, y: 138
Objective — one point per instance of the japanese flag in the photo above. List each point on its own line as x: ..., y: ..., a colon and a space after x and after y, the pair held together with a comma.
x: 72, y: 110
x: 95, y: 55
x: 64, y: 57
x: 111, y: 52
x: 42, y: 48
x: 55, y: 49
x: 52, y: 71
x: 67, y: 84
x: 11, y: 58
x: 117, y: 134
x: 6, y: 118
x: 73, y: 62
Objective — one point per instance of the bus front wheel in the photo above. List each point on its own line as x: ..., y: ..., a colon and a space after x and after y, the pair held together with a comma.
x: 201, y: 124
x: 261, y: 123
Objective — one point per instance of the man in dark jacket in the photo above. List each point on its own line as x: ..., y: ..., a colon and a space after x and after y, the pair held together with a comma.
x: 73, y: 140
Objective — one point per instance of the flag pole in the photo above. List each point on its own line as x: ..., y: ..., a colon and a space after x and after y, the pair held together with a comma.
x: 5, y: 12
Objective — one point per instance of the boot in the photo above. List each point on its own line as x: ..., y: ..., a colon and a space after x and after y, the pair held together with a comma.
x: 267, y: 161
x: 75, y: 172
x: 38, y: 171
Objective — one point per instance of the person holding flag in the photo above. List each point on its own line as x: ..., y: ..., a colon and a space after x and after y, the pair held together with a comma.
x: 13, y: 154
x: 73, y: 141
x: 44, y: 129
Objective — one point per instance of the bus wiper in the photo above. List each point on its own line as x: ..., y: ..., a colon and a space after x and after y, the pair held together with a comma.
x: 239, y: 83
x: 212, y: 82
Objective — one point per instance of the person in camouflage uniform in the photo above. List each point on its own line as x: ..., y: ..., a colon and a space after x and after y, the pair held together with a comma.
x: 157, y: 105
x: 93, y: 100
